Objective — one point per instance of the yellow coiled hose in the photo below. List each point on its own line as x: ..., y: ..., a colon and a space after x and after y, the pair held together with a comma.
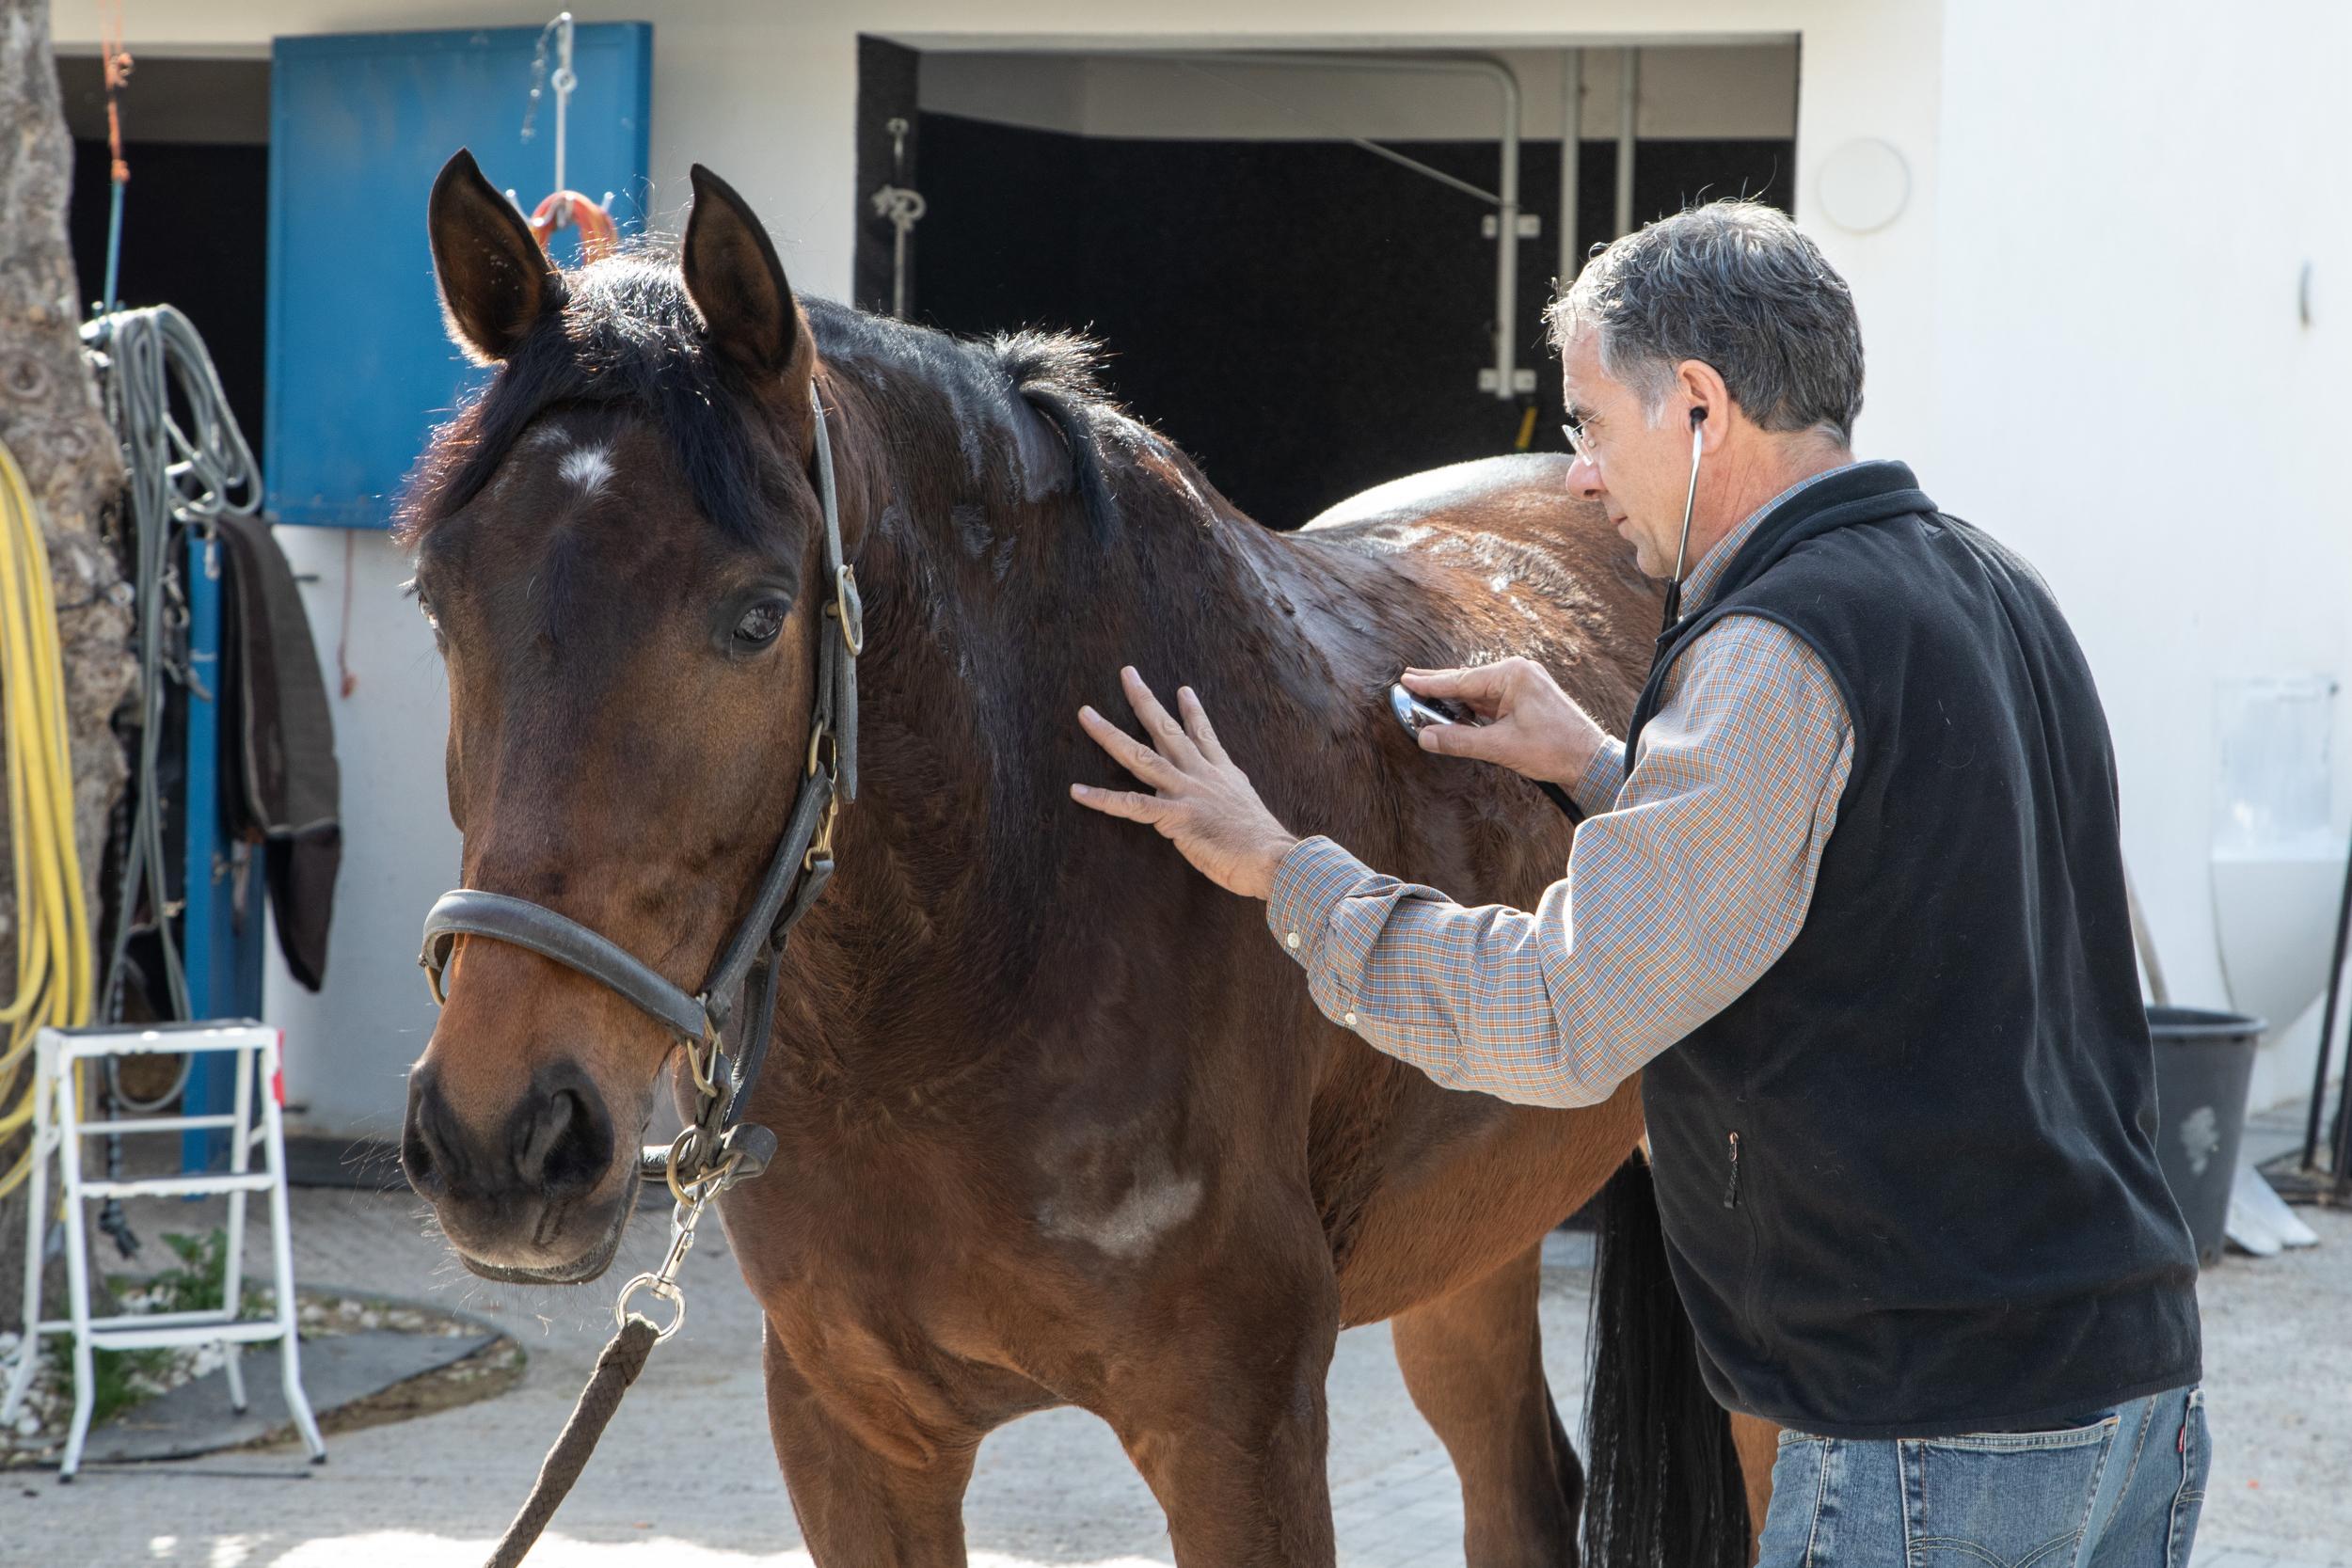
x: 55, y: 956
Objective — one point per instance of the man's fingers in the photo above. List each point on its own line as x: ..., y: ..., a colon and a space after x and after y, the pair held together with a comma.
x: 1458, y: 740
x: 1157, y: 721
x: 1481, y: 685
x: 1121, y: 802
x: 1126, y: 750
x: 1198, y: 726
x: 1434, y: 683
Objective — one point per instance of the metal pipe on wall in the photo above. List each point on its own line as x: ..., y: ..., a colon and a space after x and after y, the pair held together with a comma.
x: 1572, y: 138
x: 1629, y: 110
x: 1507, y: 240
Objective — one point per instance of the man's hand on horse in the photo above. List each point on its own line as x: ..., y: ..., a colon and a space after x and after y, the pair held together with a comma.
x: 1203, y: 804
x: 1526, y: 723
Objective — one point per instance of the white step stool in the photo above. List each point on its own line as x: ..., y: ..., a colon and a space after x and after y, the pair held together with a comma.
x: 58, y: 1129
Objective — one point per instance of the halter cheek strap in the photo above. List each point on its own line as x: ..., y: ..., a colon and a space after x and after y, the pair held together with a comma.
x: 717, y: 1150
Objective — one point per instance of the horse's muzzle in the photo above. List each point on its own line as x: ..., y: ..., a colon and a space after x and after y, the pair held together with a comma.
x: 520, y: 1203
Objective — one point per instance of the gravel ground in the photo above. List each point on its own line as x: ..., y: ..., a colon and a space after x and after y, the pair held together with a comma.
x: 685, y: 1478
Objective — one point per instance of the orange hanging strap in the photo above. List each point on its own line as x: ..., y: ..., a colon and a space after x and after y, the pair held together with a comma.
x: 598, y: 237
x: 117, y: 67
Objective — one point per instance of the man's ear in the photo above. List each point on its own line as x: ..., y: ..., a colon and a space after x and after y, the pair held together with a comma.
x: 1699, y: 386
x: 736, y: 283
x: 495, y: 280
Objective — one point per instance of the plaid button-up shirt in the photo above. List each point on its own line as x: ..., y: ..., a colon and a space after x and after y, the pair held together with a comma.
x: 1689, y: 875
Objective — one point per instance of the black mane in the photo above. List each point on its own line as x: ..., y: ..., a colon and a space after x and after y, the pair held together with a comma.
x: 624, y: 333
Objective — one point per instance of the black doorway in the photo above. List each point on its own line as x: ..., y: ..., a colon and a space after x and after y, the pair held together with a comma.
x: 195, y: 210
x: 1301, y: 316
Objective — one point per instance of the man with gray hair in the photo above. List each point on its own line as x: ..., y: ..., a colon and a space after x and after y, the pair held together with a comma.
x: 1849, y: 893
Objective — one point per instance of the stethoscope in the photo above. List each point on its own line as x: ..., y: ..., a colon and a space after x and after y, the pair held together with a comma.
x: 1690, y: 498
x: 1416, y: 715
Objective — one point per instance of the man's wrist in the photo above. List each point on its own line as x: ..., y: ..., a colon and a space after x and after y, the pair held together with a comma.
x: 1582, y: 748
x: 1311, y: 880
x: 1277, y: 851
x: 1596, y: 788
x: 1576, y: 753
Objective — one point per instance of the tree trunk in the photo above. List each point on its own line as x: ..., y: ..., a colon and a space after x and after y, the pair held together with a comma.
x: 50, y: 419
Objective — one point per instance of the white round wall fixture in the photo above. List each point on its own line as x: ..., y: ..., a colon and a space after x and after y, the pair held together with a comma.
x: 1864, y: 184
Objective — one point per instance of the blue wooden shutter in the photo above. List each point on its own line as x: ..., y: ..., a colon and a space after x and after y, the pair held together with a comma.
x: 359, y: 367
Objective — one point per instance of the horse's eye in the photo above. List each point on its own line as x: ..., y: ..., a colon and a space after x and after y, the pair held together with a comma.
x: 760, y: 623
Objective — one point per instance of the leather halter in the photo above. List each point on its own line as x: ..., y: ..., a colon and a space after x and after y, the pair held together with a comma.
x: 717, y: 1148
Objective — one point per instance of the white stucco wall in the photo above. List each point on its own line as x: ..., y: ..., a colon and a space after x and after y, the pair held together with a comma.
x: 2127, y: 394
x: 349, y: 1046
x: 2082, y: 332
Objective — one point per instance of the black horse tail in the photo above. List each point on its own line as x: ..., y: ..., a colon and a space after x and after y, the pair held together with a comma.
x: 1663, y: 1488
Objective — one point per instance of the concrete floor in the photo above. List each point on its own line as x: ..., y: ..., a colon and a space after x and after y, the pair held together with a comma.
x: 685, y: 1478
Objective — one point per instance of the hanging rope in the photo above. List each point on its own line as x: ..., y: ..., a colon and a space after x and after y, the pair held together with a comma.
x: 181, y: 479
x: 118, y: 69
x: 54, y: 950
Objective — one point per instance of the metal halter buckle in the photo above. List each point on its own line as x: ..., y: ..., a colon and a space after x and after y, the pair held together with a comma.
x: 848, y: 608
x: 702, y: 1060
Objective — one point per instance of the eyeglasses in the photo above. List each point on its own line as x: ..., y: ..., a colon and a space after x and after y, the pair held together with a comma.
x: 1579, y: 443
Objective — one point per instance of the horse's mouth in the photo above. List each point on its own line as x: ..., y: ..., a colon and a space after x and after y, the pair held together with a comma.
x: 587, y: 1266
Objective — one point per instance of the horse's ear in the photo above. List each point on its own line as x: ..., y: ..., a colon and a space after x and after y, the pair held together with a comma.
x: 736, y: 283
x: 495, y: 280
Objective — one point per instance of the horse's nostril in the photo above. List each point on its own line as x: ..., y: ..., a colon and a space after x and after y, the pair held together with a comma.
x: 567, y: 1147
x: 416, y: 1161
x: 424, y: 1148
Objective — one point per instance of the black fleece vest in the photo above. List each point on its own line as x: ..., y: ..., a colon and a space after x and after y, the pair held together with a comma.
x: 1908, y: 1180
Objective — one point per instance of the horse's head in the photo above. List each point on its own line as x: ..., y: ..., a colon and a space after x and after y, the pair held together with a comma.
x: 620, y: 547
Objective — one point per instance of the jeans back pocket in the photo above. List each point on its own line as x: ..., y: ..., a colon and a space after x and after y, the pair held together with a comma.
x: 2005, y: 1500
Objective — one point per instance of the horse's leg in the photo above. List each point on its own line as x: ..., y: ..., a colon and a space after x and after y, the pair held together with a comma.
x: 1474, y: 1362
x: 1759, y: 1443
x: 860, y: 1506
x: 1220, y: 1405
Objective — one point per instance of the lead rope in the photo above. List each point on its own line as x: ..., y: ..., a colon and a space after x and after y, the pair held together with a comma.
x: 623, y: 1358
x: 717, y: 1150
x: 617, y: 1365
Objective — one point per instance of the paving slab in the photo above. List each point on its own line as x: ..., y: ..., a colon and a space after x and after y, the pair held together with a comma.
x: 337, y: 1368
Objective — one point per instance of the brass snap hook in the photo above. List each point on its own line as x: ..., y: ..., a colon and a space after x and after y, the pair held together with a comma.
x: 821, y: 847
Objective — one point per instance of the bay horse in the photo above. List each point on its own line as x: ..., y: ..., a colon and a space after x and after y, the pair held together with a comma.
x: 1058, y: 1122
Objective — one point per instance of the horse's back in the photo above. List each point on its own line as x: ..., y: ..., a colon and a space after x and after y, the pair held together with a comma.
x: 1529, y: 481
x: 1483, y: 560
x: 1513, y: 563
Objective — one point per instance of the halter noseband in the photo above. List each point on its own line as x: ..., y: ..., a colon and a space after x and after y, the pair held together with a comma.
x: 717, y: 1148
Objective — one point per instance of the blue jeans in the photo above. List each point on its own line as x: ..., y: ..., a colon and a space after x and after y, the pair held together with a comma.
x: 2123, y: 1491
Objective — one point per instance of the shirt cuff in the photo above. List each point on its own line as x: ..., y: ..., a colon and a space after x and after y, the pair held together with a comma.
x: 1604, y: 777
x: 1310, y: 883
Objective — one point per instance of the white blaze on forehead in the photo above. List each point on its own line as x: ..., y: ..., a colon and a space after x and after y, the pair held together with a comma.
x: 587, y: 467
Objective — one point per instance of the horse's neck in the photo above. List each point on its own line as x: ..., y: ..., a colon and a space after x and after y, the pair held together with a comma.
x: 995, y: 610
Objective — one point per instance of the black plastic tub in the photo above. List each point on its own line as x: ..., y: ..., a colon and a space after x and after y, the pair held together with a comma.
x: 2203, y: 1061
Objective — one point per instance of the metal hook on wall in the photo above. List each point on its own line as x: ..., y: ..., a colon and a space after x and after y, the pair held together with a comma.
x: 564, y: 207
x: 904, y: 207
